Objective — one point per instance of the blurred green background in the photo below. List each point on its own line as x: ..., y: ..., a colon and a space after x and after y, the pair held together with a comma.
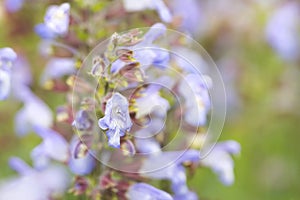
x: 263, y: 115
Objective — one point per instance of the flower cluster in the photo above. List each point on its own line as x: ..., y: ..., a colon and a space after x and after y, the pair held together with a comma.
x: 136, y: 105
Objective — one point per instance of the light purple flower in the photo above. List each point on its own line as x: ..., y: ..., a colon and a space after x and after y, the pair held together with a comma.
x: 145, y: 191
x: 54, y: 146
x: 140, y: 5
x: 57, y: 18
x: 21, y: 79
x: 57, y: 68
x: 145, y: 52
x: 5, y: 84
x: 168, y: 165
x: 190, y: 61
x: 194, y: 89
x: 44, y: 31
x: 151, y: 102
x: 13, y: 5
x: 7, y: 57
x: 144, y: 138
x: 34, y: 184
x: 116, y: 120
x: 82, y: 121
x: 282, y: 31
x: 163, y: 11
x: 220, y: 161
x: 27, y: 117
x: 190, y: 13
x: 83, y: 164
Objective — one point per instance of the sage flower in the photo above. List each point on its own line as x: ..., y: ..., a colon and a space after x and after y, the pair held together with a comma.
x: 34, y: 184
x: 151, y: 102
x: 81, y: 161
x: 116, y: 121
x: 26, y: 118
x: 54, y: 146
x: 57, y: 18
x: 220, y: 161
x: 194, y: 89
x: 282, y: 31
x: 146, y: 192
x: 169, y: 166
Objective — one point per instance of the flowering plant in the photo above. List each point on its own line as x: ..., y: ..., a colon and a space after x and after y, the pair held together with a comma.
x: 141, y: 109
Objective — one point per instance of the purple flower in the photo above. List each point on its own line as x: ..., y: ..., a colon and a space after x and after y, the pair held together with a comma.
x: 220, y: 161
x: 151, y: 102
x: 44, y: 31
x: 4, y: 84
x: 54, y: 146
x: 82, y: 121
x: 158, y: 5
x: 18, y: 165
x: 144, y: 138
x: 34, y: 184
x: 282, y: 31
x: 57, y: 18
x: 27, y: 117
x: 57, y: 68
x: 168, y: 165
x: 21, y: 79
x: 116, y: 119
x: 7, y: 57
x: 190, y: 61
x: 194, y: 89
x: 13, y: 5
x: 190, y: 14
x: 80, y: 164
x: 163, y: 11
x: 145, y: 191
x: 145, y: 52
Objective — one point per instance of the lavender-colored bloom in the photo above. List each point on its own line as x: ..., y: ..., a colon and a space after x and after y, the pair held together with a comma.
x: 57, y: 18
x: 155, y: 32
x: 282, y: 31
x: 83, y: 164
x: 220, y: 161
x: 34, y: 184
x: 27, y: 117
x: 163, y: 11
x: 19, y: 165
x: 151, y: 102
x: 168, y: 165
x: 54, y: 146
x: 190, y: 61
x: 57, y: 68
x: 186, y: 196
x: 145, y: 52
x: 13, y: 5
x: 145, y: 191
x: 44, y: 31
x: 144, y: 138
x: 21, y: 79
x: 7, y: 57
x: 4, y: 84
x: 190, y: 14
x: 116, y: 120
x: 194, y: 89
x: 140, y: 5
x: 82, y: 121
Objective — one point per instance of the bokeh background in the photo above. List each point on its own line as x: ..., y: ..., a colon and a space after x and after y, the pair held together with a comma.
x: 256, y: 47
